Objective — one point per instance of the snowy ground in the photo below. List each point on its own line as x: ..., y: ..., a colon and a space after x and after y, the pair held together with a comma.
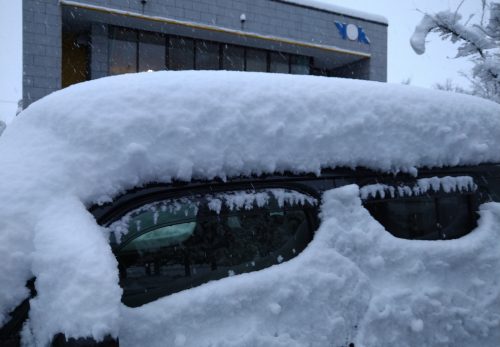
x: 354, y: 283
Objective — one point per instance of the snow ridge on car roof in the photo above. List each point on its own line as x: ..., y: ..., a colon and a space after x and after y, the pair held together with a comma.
x: 181, y: 125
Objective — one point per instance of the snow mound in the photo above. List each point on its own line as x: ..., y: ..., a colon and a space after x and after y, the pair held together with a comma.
x: 92, y: 141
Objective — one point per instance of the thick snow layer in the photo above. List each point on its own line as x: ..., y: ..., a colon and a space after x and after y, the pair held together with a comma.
x: 76, y: 276
x: 92, y: 141
x: 329, y: 6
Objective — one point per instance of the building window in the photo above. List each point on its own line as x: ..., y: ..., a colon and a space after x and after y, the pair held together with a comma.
x: 207, y: 55
x: 300, y: 65
x: 152, y: 52
x: 233, y: 58
x: 181, y: 53
x: 279, y: 62
x: 136, y: 51
x: 256, y: 60
x: 122, y: 51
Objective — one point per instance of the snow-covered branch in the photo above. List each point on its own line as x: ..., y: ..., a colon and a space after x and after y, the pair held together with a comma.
x: 481, y: 43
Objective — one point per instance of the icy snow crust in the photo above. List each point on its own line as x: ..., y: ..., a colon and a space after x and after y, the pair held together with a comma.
x: 92, y: 141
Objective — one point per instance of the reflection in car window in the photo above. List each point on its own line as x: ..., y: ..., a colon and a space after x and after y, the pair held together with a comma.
x: 172, y: 245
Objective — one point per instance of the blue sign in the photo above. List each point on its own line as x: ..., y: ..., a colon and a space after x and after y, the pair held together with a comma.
x: 352, y: 32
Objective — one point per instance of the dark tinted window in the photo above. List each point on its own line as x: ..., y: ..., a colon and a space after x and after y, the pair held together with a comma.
x: 122, y: 51
x: 256, y: 60
x: 299, y: 65
x: 177, y: 244
x: 207, y: 55
x: 279, y: 63
x: 152, y: 52
x: 432, y: 216
x: 233, y: 58
x: 181, y: 54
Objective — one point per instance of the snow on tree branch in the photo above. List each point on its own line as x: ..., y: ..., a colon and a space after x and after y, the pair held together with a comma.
x: 480, y: 42
x: 447, y: 25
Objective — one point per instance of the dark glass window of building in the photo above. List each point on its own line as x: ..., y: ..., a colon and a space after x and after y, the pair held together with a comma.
x: 256, y: 60
x: 279, y: 62
x: 233, y: 58
x: 134, y: 50
x: 152, y: 52
x: 181, y: 53
x: 207, y: 55
x: 122, y: 51
x: 300, y: 65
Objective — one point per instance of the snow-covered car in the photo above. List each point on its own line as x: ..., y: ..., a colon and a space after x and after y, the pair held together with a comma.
x: 247, y: 209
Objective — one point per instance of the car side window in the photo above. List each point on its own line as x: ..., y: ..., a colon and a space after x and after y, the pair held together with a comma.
x: 431, y: 214
x: 171, y: 245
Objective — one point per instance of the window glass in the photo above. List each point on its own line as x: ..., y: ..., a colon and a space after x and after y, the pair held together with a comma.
x: 181, y: 54
x: 173, y: 245
x: 279, y: 62
x: 122, y: 51
x: 207, y: 55
x: 233, y: 58
x: 429, y: 217
x: 299, y: 65
x: 256, y: 60
x: 151, y: 52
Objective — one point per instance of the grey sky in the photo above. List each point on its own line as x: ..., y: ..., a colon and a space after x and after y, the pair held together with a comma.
x: 435, y: 66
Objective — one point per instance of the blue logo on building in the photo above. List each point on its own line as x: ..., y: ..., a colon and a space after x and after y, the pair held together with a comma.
x: 352, y: 32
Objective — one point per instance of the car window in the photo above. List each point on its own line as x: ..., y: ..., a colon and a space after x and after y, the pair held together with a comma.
x: 438, y: 213
x: 171, y: 245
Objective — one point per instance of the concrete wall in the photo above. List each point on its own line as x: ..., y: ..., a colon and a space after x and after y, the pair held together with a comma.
x: 41, y: 49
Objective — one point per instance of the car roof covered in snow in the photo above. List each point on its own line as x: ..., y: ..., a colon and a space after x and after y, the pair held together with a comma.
x: 183, y: 125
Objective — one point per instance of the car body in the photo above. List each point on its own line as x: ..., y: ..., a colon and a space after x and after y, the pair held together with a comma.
x: 244, y: 209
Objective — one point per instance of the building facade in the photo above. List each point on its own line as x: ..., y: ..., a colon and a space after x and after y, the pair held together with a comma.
x: 67, y: 41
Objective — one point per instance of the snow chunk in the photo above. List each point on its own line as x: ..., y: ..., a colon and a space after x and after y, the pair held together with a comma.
x: 76, y: 277
x: 417, y: 325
